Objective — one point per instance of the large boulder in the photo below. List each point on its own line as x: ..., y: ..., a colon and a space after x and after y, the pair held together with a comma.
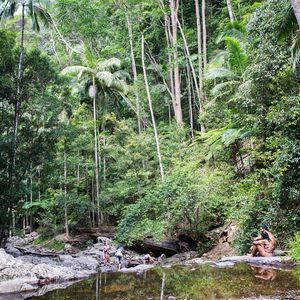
x: 27, y: 275
x: 275, y: 261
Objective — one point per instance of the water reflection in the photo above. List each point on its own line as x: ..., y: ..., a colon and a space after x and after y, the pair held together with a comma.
x: 264, y: 273
x: 197, y: 283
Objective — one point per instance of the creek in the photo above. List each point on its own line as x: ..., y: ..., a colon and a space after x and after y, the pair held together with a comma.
x: 189, y: 283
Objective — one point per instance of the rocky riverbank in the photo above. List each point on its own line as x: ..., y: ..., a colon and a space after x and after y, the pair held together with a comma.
x: 39, y: 270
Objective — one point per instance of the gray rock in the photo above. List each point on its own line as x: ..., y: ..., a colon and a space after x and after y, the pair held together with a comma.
x: 15, y: 286
x: 14, y: 270
x: 138, y: 269
x: 10, y: 249
x: 268, y: 261
x: 225, y: 264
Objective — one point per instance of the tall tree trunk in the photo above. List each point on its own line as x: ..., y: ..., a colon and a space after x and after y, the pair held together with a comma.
x: 230, y: 11
x: 65, y: 194
x: 190, y: 100
x: 296, y: 7
x: 96, y: 153
x: 204, y: 33
x: 174, y: 6
x: 193, y: 70
x: 151, y: 110
x: 199, y: 40
x: 31, y: 195
x: 134, y: 70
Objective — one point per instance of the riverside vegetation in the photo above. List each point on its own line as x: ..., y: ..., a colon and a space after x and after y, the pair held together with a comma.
x: 160, y: 117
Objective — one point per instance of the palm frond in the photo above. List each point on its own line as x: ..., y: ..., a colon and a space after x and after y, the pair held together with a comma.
x: 80, y: 70
x: 224, y: 87
x: 43, y: 14
x: 8, y: 9
x: 219, y: 73
x: 236, y: 56
x: 108, y: 64
x: 105, y: 77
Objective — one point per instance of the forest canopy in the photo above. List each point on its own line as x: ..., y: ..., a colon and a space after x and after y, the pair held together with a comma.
x: 158, y: 117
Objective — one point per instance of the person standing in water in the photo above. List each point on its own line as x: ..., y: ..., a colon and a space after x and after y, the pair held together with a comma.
x: 106, y: 254
x: 119, y: 256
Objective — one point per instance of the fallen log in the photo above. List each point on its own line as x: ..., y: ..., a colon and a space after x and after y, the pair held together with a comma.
x: 26, y: 251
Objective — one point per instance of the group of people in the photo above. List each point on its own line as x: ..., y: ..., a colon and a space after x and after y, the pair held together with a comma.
x: 106, y: 255
x: 105, y: 259
x: 263, y: 245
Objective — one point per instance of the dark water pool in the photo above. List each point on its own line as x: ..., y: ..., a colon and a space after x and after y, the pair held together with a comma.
x: 204, y: 282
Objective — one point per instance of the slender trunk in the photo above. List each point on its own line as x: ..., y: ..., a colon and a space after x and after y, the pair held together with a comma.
x: 204, y: 33
x: 163, y: 283
x: 174, y: 5
x: 168, y: 35
x: 199, y: 40
x: 39, y: 184
x: 96, y: 154
x: 296, y: 8
x: 187, y: 50
x: 31, y: 195
x: 230, y: 11
x: 168, y: 38
x: 190, y: 101
x: 151, y: 110
x: 65, y: 194
x: 78, y: 170
x: 134, y: 70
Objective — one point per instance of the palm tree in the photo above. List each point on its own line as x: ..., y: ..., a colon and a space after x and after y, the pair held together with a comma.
x: 100, y: 76
x: 227, y: 68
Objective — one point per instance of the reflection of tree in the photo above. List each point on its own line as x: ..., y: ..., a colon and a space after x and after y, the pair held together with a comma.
x: 264, y: 273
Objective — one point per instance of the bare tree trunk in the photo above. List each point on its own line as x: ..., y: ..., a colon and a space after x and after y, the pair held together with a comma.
x: 190, y: 100
x: 174, y: 6
x: 134, y: 70
x: 204, y: 33
x: 163, y: 282
x: 78, y: 169
x: 96, y: 153
x: 193, y: 71
x: 39, y: 183
x: 168, y: 38
x: 296, y: 8
x: 31, y: 195
x: 199, y: 40
x: 65, y: 194
x: 230, y: 11
x: 151, y: 110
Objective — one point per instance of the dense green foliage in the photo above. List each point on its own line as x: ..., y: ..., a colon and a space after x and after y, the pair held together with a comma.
x: 82, y: 159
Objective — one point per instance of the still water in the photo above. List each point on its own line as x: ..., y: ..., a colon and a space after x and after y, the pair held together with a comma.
x: 204, y: 282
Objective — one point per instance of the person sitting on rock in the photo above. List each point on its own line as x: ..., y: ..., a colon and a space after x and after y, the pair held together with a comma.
x: 148, y: 259
x: 263, y: 245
